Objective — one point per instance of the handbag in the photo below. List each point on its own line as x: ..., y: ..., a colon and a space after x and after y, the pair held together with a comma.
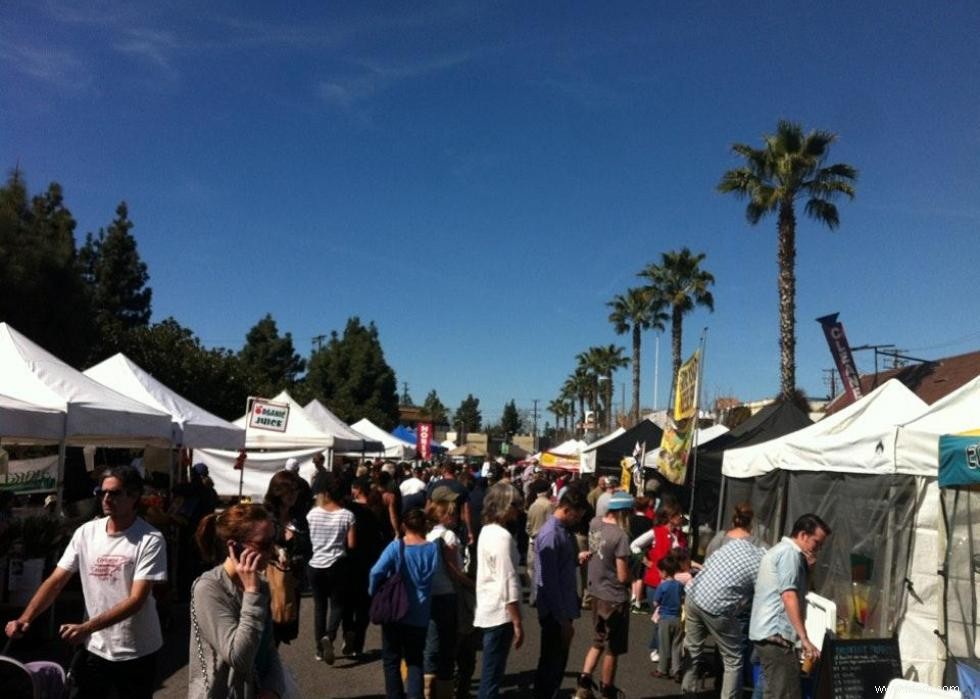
x: 390, y: 602
x: 282, y: 591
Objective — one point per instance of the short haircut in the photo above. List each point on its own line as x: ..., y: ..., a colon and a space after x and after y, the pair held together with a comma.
x: 574, y: 499
x: 809, y: 524
x: 132, y: 481
x: 668, y: 565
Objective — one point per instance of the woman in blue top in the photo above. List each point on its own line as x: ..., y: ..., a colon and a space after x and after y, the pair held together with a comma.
x: 405, y: 639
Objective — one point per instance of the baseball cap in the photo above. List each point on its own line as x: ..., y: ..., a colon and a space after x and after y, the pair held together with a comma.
x: 444, y: 493
x: 292, y: 464
x: 200, y: 468
x: 620, y: 501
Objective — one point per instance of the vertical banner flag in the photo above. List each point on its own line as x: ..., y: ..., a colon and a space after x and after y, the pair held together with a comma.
x: 679, y: 433
x: 625, y: 473
x: 686, y: 398
x: 423, y: 434
x: 841, y: 351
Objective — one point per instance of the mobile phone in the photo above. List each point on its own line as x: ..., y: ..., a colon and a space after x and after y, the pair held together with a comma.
x: 238, y: 547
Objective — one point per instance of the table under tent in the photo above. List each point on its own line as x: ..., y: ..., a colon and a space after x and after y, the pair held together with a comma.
x: 841, y: 468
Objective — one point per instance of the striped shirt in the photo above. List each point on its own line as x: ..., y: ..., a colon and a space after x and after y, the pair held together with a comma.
x: 328, y: 534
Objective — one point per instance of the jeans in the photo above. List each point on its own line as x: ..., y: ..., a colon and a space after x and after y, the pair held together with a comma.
x: 440, y: 641
x: 357, y: 607
x: 780, y: 670
x: 398, y: 642
x: 133, y: 679
x: 552, y: 660
x: 328, y: 599
x: 496, y: 646
x: 729, y: 635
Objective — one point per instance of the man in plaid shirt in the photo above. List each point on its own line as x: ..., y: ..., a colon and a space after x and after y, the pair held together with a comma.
x: 718, y: 603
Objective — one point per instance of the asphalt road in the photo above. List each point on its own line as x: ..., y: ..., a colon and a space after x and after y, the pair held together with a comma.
x: 364, y: 679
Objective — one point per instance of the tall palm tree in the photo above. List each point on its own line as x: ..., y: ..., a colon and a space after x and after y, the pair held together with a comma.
x: 681, y: 283
x: 602, y: 362
x: 633, y: 312
x: 557, y: 408
x: 578, y: 388
x: 789, y: 166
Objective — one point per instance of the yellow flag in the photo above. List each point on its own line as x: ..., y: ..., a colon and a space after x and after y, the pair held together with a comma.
x: 686, y: 396
x: 674, y: 448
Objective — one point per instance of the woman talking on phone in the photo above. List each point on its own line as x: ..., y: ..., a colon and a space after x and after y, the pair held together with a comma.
x: 232, y: 653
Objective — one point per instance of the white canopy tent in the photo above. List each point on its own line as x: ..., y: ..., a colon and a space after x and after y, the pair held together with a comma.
x: 917, y: 453
x: 346, y: 439
x: 847, y: 441
x: 394, y: 447
x: 194, y: 427
x: 22, y: 421
x: 94, y: 414
x: 587, y: 457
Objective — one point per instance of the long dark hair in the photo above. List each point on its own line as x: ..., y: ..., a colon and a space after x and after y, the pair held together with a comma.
x: 281, y: 486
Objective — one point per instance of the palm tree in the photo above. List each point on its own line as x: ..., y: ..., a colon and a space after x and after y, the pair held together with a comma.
x: 577, y: 388
x: 635, y: 311
x: 557, y: 407
x: 789, y: 166
x: 680, y: 283
x: 601, y: 362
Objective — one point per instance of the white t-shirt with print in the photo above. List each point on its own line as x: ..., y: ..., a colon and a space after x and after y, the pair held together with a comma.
x: 108, y: 564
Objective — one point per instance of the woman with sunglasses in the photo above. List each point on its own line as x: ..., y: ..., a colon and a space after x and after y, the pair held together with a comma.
x: 232, y: 653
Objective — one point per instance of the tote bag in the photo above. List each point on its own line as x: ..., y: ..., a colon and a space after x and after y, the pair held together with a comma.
x: 390, y: 602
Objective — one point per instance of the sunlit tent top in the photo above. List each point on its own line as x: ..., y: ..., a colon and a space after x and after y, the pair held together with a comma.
x: 345, y: 437
x: 394, y: 448
x: 855, y: 438
x: 300, y: 432
x: 95, y: 414
x: 194, y: 427
x: 917, y: 441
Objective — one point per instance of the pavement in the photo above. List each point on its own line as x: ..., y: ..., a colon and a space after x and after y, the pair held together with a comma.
x: 364, y: 679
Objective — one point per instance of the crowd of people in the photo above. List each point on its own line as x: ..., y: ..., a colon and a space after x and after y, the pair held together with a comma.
x: 433, y: 554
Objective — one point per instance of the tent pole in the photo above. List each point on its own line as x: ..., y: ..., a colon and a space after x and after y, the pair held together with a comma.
x: 59, y: 506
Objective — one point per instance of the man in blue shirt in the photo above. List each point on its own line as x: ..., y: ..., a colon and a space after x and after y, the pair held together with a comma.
x: 556, y: 582
x: 778, y: 607
x: 718, y: 603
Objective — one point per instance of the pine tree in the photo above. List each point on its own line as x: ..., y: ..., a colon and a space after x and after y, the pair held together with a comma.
x: 434, y: 410
x: 271, y: 360
x: 510, y: 420
x: 467, y: 417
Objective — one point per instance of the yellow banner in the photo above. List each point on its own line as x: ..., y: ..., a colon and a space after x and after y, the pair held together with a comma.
x: 626, y: 475
x: 674, y: 448
x: 686, y: 397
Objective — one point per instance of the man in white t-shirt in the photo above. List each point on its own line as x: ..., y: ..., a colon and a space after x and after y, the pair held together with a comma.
x: 119, y: 558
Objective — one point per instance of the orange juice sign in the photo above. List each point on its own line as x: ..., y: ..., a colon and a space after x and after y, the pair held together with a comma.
x: 266, y: 415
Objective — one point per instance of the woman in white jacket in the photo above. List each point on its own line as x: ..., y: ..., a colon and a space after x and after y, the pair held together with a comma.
x: 498, y: 588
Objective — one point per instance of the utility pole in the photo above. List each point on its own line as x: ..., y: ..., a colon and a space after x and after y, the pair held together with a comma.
x: 318, y: 342
x: 830, y: 379
x: 534, y: 418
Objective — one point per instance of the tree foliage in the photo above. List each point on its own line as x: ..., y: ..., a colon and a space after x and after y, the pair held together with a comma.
x: 270, y: 359
x: 118, y: 283
x: 511, y: 422
x: 633, y: 312
x: 350, y: 375
x: 42, y: 293
x: 434, y: 410
x: 467, y: 417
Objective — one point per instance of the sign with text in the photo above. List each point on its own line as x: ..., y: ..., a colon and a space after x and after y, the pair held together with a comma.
x: 686, y: 399
x: 26, y: 476
x: 857, y: 668
x: 833, y: 329
x: 423, y: 434
x: 266, y: 415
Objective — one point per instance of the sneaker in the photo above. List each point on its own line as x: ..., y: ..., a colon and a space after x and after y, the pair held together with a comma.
x: 637, y: 609
x: 326, y: 650
x: 585, y: 688
x: 654, y: 656
x: 611, y: 691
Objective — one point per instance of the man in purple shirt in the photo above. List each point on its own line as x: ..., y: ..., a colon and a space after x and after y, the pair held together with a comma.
x: 556, y: 581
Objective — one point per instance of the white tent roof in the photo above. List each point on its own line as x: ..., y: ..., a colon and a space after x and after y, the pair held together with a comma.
x: 917, y: 440
x: 20, y: 420
x: 95, y: 414
x: 394, y: 447
x: 706, y: 434
x: 599, y: 442
x: 855, y: 439
x: 194, y: 427
x: 301, y: 432
x: 345, y: 438
x: 571, y: 447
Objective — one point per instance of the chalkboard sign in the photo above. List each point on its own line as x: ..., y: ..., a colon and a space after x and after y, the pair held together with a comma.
x: 857, y: 668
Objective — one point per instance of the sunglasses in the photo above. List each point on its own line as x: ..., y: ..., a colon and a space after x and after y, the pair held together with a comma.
x: 110, y: 493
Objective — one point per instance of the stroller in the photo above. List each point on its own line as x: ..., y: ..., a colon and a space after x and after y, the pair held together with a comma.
x: 40, y: 679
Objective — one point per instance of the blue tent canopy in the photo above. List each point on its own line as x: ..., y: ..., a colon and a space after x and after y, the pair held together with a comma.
x: 407, y: 434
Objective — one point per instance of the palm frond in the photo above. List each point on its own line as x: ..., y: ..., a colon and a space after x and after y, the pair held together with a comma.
x: 823, y: 211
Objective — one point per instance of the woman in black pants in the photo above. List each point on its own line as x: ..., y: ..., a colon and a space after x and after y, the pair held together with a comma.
x: 332, y: 536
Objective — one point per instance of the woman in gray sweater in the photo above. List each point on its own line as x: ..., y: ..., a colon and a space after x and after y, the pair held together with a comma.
x: 232, y: 653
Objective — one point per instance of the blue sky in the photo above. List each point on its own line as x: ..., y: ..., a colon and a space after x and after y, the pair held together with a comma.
x: 479, y: 179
